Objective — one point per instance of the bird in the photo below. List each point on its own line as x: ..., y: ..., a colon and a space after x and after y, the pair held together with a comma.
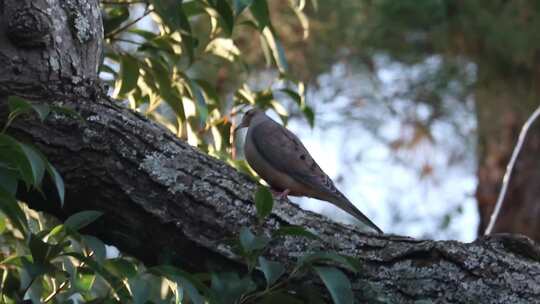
x: 278, y: 156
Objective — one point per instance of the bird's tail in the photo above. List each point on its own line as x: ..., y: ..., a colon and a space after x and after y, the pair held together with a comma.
x: 346, y: 205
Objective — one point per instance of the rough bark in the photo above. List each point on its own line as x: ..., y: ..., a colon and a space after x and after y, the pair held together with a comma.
x: 166, y: 201
x: 159, y: 192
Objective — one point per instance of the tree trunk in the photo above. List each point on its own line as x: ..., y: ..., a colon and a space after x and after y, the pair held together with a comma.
x: 165, y: 201
x: 503, y: 105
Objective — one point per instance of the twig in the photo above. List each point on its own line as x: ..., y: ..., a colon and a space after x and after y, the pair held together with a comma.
x: 129, y: 24
x: 509, y: 168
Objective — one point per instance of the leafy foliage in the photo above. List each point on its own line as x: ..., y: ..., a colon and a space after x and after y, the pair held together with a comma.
x: 174, y: 71
x: 188, y: 65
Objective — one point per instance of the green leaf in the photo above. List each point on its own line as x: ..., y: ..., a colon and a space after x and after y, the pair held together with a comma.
x: 240, y: 5
x: 14, y: 157
x: 111, y: 280
x: 263, y: 202
x: 272, y: 270
x: 280, y: 297
x: 35, y: 269
x: 97, y: 246
x: 224, y: 48
x: 38, y: 249
x: 83, y: 280
x: 200, y: 102
x: 28, y: 161
x: 3, y: 220
x: 337, y: 284
x: 228, y: 287
x: 140, y: 288
x: 250, y: 242
x: 162, y: 77
x: 192, y: 292
x: 259, y: 9
x: 183, y: 279
x: 58, y: 182
x: 295, y: 231
x: 226, y: 16
x: 310, y: 294
x: 43, y: 110
x: 42, y: 252
x: 8, y: 180
x: 81, y: 219
x: 129, y: 75
x: 36, y: 161
x: 173, y: 15
x: 56, y: 230
x: 309, y: 114
x: 18, y: 106
x: 12, y: 210
x: 113, y: 18
x: 293, y: 95
x: 278, y: 53
x: 341, y: 260
x: 120, y: 267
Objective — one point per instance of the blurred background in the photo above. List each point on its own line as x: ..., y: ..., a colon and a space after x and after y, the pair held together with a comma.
x: 413, y: 107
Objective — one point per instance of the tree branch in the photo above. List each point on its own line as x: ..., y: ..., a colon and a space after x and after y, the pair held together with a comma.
x: 166, y: 201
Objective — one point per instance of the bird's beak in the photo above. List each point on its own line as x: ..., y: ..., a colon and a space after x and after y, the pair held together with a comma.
x: 240, y: 126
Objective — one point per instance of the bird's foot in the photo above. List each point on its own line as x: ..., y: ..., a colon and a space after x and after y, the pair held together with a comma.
x: 280, y: 195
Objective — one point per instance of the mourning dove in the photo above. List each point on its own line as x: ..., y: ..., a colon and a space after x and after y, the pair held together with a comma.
x: 278, y: 156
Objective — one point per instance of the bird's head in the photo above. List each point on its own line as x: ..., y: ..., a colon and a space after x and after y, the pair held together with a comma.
x: 248, y: 118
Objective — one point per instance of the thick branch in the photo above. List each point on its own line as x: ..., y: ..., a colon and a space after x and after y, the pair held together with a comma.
x: 166, y: 201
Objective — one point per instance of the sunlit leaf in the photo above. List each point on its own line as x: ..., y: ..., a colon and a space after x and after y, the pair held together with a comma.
x: 224, y: 48
x: 83, y: 280
x: 3, y: 221
x: 120, y: 267
x: 173, y: 15
x: 278, y: 54
x: 183, y: 280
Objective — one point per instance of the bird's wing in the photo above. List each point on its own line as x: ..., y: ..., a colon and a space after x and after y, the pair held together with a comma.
x: 286, y: 153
